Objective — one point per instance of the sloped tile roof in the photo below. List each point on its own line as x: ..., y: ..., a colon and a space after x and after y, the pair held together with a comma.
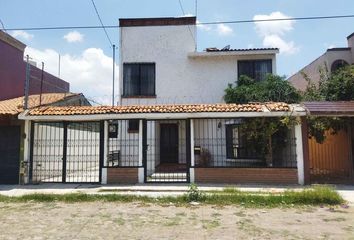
x: 172, y: 108
x: 337, y: 108
x: 239, y: 49
x: 15, y: 105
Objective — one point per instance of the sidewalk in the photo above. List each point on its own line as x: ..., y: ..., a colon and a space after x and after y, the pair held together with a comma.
x: 153, y: 190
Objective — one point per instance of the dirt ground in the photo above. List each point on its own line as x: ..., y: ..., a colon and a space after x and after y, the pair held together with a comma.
x: 100, y: 220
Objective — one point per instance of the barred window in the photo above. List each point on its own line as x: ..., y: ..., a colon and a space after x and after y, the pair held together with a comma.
x: 138, y: 79
x: 255, y: 69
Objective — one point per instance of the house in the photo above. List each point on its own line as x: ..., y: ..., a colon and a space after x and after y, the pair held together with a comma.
x: 45, y: 91
x: 160, y: 64
x: 12, y: 130
x: 13, y: 72
x: 330, y: 61
x: 171, y: 124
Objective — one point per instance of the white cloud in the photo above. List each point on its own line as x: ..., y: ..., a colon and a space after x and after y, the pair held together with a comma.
x: 273, y: 32
x: 73, y: 37
x: 203, y: 27
x: 276, y: 41
x: 22, y: 34
x: 89, y: 73
x: 224, y: 30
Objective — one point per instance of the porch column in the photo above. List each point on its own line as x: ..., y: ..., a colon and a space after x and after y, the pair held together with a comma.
x: 191, y: 169
x: 141, y: 151
x: 27, y: 151
x: 105, y: 153
x: 299, y: 154
x: 306, y: 151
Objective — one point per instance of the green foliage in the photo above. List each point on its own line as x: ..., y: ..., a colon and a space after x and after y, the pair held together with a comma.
x: 261, y: 133
x: 273, y: 88
x: 340, y: 85
x: 337, y: 86
x: 311, y: 196
x: 193, y: 194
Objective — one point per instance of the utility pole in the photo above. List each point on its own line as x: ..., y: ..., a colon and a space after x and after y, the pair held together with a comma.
x: 114, y: 70
x: 25, y: 105
x: 59, y: 66
x: 40, y: 95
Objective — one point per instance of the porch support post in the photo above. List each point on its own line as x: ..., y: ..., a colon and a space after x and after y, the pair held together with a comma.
x: 306, y: 150
x: 350, y: 144
x: 299, y: 154
x: 141, y: 151
x: 105, y: 153
x: 26, y: 150
x: 191, y: 169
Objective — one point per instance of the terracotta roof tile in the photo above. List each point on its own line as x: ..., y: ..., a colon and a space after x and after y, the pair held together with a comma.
x: 336, y: 108
x: 172, y: 108
x: 15, y: 105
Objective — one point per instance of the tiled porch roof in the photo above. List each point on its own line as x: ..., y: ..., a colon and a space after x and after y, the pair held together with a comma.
x: 15, y: 105
x: 172, y: 108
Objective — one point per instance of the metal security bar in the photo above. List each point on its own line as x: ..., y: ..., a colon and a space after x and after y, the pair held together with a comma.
x: 223, y: 143
x: 123, y: 143
x: 165, y: 151
x: 83, y: 148
x: 47, y: 152
x: 65, y: 152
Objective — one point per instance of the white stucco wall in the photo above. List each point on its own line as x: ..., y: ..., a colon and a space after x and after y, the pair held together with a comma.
x: 179, y: 77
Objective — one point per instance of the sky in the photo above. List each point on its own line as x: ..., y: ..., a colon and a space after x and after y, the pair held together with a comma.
x: 86, y: 54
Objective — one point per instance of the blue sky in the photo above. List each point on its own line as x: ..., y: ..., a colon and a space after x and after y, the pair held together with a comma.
x: 300, y: 41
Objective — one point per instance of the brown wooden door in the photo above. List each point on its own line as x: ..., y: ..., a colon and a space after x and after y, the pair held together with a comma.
x: 169, y: 143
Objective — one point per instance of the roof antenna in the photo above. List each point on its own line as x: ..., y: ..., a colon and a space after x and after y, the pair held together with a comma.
x: 226, y: 48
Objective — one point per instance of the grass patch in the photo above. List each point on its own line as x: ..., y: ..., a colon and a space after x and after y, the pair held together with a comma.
x: 319, y: 195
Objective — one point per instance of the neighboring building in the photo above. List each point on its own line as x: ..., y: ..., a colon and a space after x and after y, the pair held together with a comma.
x: 160, y: 64
x: 330, y: 61
x: 12, y: 130
x: 13, y: 72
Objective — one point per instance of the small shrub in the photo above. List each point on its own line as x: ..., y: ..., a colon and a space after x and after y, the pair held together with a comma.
x: 194, y: 194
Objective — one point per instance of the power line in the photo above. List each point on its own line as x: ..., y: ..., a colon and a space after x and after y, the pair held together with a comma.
x: 181, y: 6
x: 99, y: 18
x: 199, y: 23
x: 2, y: 24
x: 190, y: 31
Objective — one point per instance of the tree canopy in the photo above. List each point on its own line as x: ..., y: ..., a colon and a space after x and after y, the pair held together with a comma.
x: 337, y: 86
x: 273, y: 88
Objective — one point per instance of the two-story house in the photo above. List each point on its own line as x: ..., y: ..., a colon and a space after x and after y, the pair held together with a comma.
x: 171, y: 123
x: 160, y: 64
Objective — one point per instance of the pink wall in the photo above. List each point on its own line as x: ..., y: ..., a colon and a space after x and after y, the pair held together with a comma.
x: 13, y: 74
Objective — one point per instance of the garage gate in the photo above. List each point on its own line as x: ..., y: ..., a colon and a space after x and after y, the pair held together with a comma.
x: 66, y: 152
x: 9, y: 154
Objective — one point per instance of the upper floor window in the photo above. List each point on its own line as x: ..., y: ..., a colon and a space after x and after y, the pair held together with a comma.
x: 138, y: 79
x: 337, y: 64
x: 255, y: 69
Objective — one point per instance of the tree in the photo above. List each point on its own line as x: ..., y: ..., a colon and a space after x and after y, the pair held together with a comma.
x: 337, y: 86
x: 273, y: 89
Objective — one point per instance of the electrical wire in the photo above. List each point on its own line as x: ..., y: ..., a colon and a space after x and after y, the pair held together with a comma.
x: 199, y: 23
x: 190, y: 31
x: 99, y: 18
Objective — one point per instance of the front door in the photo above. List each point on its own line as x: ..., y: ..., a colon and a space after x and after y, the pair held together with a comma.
x: 169, y: 143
